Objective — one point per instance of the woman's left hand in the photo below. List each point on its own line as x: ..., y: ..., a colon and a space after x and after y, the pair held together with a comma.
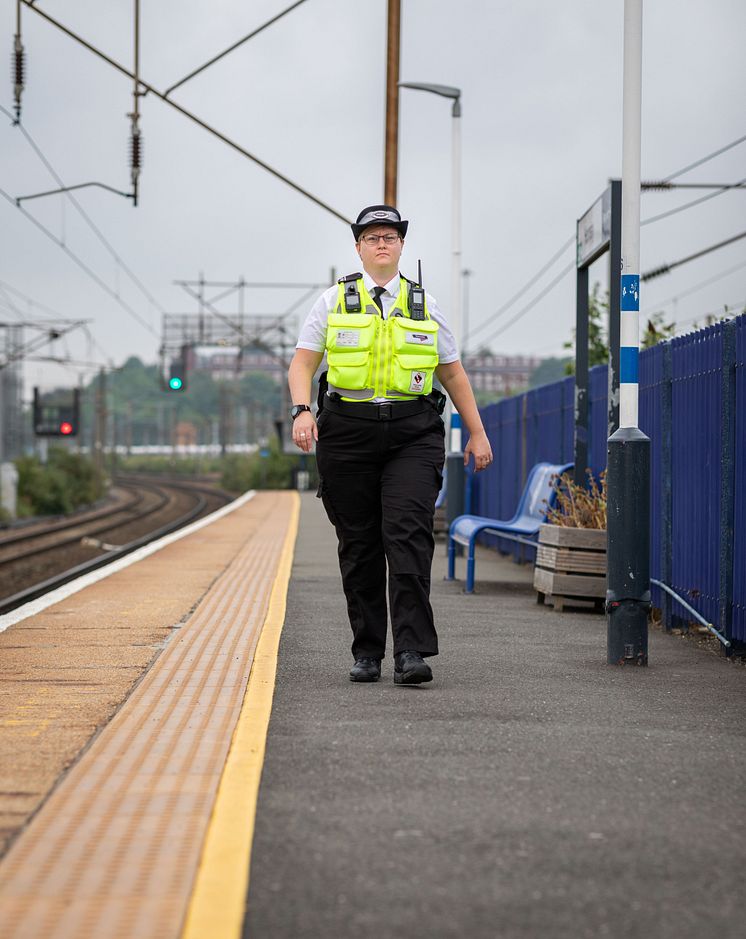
x: 479, y: 447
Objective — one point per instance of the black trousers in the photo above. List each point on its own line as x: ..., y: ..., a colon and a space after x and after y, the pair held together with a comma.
x: 379, y: 483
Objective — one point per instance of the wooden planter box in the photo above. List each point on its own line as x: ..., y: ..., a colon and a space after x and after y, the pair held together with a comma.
x: 571, y: 566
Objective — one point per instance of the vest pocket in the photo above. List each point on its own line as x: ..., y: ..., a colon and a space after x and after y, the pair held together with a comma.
x: 349, y: 369
x: 419, y: 337
x: 415, y: 355
x: 350, y: 341
x: 350, y: 331
x: 412, y: 374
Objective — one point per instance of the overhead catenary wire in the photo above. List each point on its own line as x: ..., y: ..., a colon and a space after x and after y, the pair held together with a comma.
x: 695, y: 287
x: 665, y: 268
x: 82, y: 265
x: 691, y: 166
x: 648, y: 221
x: 244, y: 337
x: 289, y: 182
x: 664, y: 185
x: 89, y: 221
x: 192, y: 117
x: 531, y: 304
x: 527, y: 286
x: 689, y: 205
x: 8, y: 303
x: 233, y: 47
x: 67, y: 362
x: 58, y: 317
x: 705, y: 159
x: 29, y: 300
x: 37, y: 342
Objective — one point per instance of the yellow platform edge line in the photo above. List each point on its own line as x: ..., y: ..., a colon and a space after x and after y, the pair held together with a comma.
x: 218, y: 903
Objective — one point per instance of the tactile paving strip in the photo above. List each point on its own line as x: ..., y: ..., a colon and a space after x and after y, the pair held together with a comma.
x: 114, y: 851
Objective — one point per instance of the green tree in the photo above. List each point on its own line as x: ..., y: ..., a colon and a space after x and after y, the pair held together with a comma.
x: 483, y: 397
x: 598, y: 343
x: 67, y: 481
x: 656, y: 330
x: 141, y: 412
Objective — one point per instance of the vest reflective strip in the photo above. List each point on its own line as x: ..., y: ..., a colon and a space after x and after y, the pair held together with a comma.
x: 364, y: 394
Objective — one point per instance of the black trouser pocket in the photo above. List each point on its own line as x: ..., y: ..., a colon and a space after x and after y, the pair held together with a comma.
x: 323, y: 493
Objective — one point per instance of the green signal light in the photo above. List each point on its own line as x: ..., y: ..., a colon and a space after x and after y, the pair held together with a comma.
x: 175, y: 383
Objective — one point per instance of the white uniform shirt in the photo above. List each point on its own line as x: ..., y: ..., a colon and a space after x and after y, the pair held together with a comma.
x: 313, y: 332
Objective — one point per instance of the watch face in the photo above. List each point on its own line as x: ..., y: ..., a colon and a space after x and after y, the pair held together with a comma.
x: 298, y: 409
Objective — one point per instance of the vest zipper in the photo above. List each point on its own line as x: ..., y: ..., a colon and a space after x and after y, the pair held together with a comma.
x: 380, y: 340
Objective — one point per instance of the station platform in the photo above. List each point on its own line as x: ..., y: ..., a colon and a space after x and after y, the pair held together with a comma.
x: 203, y: 766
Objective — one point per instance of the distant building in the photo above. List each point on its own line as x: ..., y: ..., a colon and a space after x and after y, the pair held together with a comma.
x: 503, y: 374
x: 185, y: 434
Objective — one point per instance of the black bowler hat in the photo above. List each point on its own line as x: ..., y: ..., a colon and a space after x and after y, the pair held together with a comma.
x: 379, y: 215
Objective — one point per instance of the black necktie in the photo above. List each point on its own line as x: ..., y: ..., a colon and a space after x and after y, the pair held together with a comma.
x: 377, y: 291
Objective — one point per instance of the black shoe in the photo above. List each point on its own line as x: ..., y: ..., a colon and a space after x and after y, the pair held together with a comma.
x: 366, y: 669
x: 411, y: 669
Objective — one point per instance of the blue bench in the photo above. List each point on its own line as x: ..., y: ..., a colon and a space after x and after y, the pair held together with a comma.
x: 443, y: 489
x: 538, y: 496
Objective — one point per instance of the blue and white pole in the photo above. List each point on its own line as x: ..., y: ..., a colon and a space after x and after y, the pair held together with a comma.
x: 630, y: 295
x: 628, y: 464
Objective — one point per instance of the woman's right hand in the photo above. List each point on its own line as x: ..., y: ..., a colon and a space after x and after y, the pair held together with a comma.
x: 305, y: 431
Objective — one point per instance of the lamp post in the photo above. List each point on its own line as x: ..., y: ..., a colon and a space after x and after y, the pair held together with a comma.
x: 455, y: 456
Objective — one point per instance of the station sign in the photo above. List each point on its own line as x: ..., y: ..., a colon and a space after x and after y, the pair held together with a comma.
x: 594, y: 231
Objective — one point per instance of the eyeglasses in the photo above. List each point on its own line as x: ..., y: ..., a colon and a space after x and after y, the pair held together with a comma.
x: 389, y: 238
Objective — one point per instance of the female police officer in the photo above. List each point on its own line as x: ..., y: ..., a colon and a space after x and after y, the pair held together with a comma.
x: 379, y: 441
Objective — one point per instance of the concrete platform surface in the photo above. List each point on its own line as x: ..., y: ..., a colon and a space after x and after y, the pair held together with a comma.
x: 114, y: 850
x: 530, y: 791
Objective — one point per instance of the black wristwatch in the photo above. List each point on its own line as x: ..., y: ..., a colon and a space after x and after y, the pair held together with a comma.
x: 297, y: 409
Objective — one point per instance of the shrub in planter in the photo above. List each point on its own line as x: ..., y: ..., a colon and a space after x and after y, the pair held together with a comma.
x: 571, y: 557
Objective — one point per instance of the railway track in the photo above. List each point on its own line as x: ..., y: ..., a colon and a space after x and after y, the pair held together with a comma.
x: 37, y: 559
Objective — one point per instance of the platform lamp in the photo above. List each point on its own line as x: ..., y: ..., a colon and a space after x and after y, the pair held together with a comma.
x: 455, y: 457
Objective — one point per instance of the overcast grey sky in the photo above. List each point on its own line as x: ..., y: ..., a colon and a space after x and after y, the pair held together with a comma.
x: 541, y: 90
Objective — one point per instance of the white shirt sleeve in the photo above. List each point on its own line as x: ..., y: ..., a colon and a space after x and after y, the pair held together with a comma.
x: 313, y: 331
x: 447, y: 351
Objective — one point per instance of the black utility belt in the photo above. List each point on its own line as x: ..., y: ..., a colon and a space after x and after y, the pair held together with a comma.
x: 386, y: 411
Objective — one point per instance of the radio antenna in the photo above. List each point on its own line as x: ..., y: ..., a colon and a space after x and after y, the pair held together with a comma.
x: 419, y: 272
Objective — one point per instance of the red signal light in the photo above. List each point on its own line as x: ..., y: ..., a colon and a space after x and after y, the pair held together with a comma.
x: 66, y: 428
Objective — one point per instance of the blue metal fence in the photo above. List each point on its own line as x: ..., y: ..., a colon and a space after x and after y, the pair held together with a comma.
x: 739, y: 508
x: 698, y: 491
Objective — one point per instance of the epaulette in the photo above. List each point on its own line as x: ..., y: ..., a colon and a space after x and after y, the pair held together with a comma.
x: 414, y: 283
x: 349, y: 277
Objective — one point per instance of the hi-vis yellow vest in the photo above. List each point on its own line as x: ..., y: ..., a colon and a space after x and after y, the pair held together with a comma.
x: 372, y: 357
